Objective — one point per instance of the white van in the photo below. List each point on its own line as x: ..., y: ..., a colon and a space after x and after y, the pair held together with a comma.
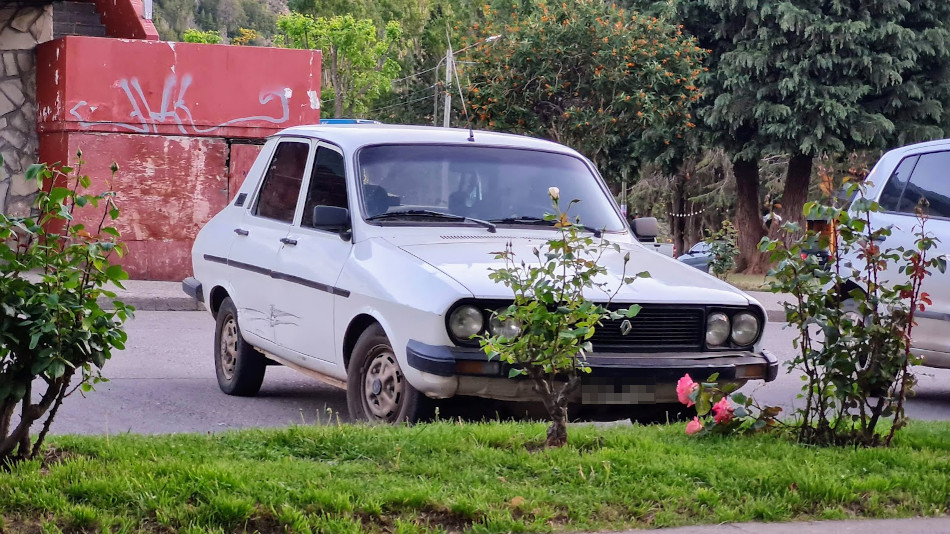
x: 898, y: 181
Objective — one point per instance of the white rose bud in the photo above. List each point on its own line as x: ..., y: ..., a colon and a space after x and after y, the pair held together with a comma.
x: 554, y: 192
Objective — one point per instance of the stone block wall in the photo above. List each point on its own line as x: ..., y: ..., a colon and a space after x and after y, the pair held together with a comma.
x: 21, y: 29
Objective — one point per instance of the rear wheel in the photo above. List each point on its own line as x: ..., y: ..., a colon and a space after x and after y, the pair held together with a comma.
x: 376, y: 389
x: 238, y: 366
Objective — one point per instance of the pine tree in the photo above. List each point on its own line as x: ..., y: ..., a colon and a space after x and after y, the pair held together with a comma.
x: 813, y: 77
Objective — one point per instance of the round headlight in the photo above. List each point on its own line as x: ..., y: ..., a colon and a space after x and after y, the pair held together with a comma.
x: 508, y: 328
x: 745, y: 328
x: 717, y: 329
x: 466, y: 321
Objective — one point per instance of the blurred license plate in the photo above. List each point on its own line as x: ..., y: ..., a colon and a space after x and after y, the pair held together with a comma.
x: 607, y: 391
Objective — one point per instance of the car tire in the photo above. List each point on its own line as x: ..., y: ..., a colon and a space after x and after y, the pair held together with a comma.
x: 376, y: 389
x: 239, y: 366
x: 661, y: 414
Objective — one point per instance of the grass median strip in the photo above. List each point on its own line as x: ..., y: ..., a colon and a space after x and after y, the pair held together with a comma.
x: 479, y: 477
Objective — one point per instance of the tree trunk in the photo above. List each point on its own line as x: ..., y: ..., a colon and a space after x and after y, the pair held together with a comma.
x: 555, y: 402
x: 749, y: 219
x: 557, y: 432
x: 797, y: 178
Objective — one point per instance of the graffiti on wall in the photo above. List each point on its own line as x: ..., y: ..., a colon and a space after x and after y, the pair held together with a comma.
x: 174, y: 108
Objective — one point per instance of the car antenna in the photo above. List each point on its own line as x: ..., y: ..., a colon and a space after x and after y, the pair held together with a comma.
x: 471, y: 132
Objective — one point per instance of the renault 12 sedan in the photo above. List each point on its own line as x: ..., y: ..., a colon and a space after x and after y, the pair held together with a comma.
x: 360, y: 255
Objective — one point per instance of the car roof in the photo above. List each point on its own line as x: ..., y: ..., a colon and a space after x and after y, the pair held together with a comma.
x: 939, y: 143
x: 352, y: 136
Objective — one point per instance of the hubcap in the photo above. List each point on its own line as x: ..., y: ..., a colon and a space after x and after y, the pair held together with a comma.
x: 383, y: 386
x: 227, y: 352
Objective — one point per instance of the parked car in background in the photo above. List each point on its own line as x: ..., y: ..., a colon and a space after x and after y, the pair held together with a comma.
x: 698, y: 256
x: 360, y: 255
x: 899, y: 180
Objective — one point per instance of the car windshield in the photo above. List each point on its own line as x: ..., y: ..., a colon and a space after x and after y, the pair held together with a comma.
x: 501, y: 185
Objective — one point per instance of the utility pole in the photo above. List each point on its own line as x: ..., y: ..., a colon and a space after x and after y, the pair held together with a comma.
x: 449, y: 68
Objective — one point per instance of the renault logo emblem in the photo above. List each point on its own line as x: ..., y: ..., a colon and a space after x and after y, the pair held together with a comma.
x: 625, y: 327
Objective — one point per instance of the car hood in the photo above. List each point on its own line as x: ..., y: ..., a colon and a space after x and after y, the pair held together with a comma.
x: 471, y: 261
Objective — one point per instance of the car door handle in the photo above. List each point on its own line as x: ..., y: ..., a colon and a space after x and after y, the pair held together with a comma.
x: 288, y: 241
x: 240, y: 231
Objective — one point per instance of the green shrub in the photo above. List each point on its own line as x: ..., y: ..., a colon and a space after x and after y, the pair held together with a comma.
x: 54, y: 336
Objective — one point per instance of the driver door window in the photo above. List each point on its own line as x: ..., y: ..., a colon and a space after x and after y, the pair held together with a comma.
x: 327, y: 184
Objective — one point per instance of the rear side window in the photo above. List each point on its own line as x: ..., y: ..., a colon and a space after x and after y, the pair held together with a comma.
x: 891, y: 195
x: 278, y: 196
x: 327, y: 184
x: 930, y: 181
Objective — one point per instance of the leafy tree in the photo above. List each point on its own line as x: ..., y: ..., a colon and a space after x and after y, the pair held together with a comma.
x: 54, y: 336
x: 807, y: 78
x: 358, y: 63
x: 614, y: 85
x: 198, y: 36
x: 245, y: 37
x: 173, y: 18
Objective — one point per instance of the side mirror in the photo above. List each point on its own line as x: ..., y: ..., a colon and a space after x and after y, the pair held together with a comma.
x: 645, y: 227
x: 330, y: 217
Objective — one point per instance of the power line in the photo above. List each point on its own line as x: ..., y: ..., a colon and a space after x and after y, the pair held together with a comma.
x: 413, y: 75
x: 401, y: 103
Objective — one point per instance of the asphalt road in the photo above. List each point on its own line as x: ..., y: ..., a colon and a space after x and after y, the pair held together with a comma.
x: 164, y: 382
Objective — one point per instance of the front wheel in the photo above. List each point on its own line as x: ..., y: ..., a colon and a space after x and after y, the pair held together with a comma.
x: 238, y: 366
x: 376, y: 389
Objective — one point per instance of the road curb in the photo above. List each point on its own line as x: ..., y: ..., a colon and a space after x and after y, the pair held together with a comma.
x: 183, y: 303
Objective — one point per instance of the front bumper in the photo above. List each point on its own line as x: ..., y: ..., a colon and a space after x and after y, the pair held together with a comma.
x: 192, y: 287
x: 443, y: 360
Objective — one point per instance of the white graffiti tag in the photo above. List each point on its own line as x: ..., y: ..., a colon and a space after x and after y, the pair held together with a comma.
x: 176, y: 113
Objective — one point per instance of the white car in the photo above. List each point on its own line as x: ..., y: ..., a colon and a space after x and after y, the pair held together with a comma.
x: 360, y: 255
x: 897, y: 182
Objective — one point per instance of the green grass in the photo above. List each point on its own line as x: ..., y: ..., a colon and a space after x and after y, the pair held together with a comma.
x: 464, y: 477
x: 749, y: 282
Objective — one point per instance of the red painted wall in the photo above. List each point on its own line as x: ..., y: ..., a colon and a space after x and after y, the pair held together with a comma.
x: 159, y: 87
x: 173, y: 117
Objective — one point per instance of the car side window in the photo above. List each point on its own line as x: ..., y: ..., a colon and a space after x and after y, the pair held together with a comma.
x: 894, y: 188
x: 282, y: 181
x: 327, y: 184
x: 929, y: 181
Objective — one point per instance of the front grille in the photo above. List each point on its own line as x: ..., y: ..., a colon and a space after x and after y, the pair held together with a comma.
x: 654, y: 328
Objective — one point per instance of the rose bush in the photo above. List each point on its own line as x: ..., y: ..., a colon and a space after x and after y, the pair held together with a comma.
x: 731, y: 412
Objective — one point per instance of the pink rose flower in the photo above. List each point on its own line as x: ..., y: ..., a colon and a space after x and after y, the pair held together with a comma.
x: 693, y: 426
x: 723, y: 410
x: 684, y: 387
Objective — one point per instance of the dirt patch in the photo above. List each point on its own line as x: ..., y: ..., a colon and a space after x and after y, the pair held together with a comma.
x: 16, y: 526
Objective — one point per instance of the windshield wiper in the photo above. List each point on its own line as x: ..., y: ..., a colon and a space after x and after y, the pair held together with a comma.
x: 432, y: 214
x: 537, y: 221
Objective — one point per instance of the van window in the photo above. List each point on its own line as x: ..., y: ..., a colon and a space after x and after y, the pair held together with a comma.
x: 891, y: 195
x: 931, y: 181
